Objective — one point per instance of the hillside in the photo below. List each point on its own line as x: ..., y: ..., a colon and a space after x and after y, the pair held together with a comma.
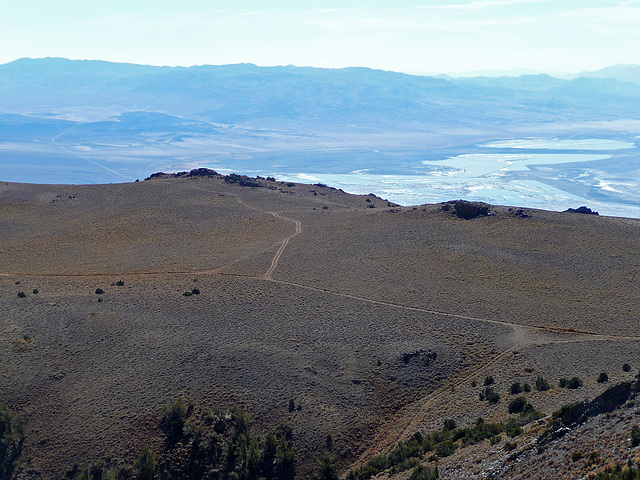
x: 373, y: 319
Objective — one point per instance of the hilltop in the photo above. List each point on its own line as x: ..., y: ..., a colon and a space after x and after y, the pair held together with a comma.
x: 339, y: 315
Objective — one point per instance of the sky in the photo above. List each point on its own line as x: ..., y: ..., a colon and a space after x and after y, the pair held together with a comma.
x: 424, y: 37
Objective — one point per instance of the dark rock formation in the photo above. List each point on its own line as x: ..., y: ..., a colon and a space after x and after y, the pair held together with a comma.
x: 583, y: 209
x: 577, y: 414
x: 466, y: 210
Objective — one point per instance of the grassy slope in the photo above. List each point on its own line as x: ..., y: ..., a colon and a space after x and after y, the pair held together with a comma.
x: 101, y: 370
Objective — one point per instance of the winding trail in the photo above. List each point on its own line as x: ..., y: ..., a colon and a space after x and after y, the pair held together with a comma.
x: 274, y: 262
x: 283, y: 244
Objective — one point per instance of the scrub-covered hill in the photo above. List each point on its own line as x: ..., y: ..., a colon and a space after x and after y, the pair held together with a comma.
x: 345, y: 318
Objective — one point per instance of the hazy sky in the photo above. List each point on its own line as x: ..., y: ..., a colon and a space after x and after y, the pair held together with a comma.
x: 411, y: 36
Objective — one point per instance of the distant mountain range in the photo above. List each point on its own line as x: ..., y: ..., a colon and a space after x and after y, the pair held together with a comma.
x: 263, y: 95
x: 411, y: 139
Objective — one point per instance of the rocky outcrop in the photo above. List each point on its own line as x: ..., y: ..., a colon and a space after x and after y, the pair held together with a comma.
x: 466, y: 210
x: 577, y: 414
x: 583, y: 209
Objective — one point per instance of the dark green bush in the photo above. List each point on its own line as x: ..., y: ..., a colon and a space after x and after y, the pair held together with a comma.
x: 187, y: 293
x: 145, y: 464
x: 489, y: 381
x: 99, y: 291
x: 422, y: 472
x: 542, y: 384
x: 517, y: 405
x: 328, y: 469
x: 490, y: 395
x: 626, y: 367
x: 446, y: 448
x: 508, y: 446
x: 620, y: 474
x: 563, y: 409
x: 120, y: 283
x: 515, y: 388
x: 635, y: 436
x: 36, y: 291
x: 195, y: 291
x: 173, y: 418
x: 512, y: 428
x: 603, y: 377
x: 527, y: 387
x: 11, y: 441
x: 572, y: 383
x: 21, y: 295
x: 449, y: 424
x: 479, y: 432
x: 529, y: 414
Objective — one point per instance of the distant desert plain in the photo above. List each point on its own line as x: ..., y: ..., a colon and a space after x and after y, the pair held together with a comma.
x: 351, y: 326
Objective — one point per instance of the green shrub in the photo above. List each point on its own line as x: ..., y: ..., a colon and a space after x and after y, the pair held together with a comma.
x: 490, y: 395
x: 488, y: 381
x: 479, y: 432
x: 515, y: 388
x: 11, y: 441
x: 527, y: 387
x: 173, y: 418
x: 529, y: 414
x: 626, y: 367
x: 120, y: 283
x: 572, y: 383
x: 558, y: 414
x: 508, y: 446
x: 446, y: 448
x: 187, y: 293
x: 422, y: 472
x: 328, y: 469
x: 474, y: 384
x: 145, y: 464
x: 36, y: 291
x: 517, y: 405
x: 99, y: 291
x: 618, y: 473
x: 495, y: 440
x: 195, y: 291
x: 449, y: 424
x: 635, y: 436
x: 512, y: 428
x: 542, y: 384
x: 21, y: 294
x: 603, y: 377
